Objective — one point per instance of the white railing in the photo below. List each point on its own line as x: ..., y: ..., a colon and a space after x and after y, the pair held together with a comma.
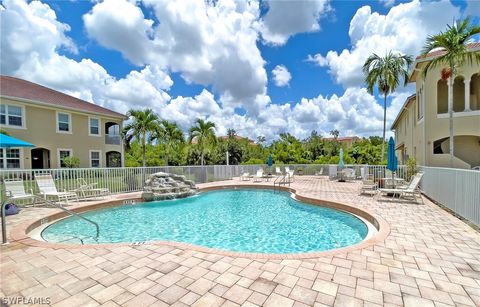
x: 130, y: 179
x: 456, y: 189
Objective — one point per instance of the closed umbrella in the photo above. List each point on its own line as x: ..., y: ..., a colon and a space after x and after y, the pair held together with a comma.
x: 341, y: 163
x: 391, y: 158
x: 270, y: 161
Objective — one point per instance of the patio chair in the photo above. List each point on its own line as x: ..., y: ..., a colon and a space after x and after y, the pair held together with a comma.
x: 291, y: 175
x: 48, y: 190
x: 320, y: 173
x: 332, y: 172
x: 15, y: 190
x: 411, y: 190
x: 369, y: 186
x: 86, y: 190
x: 245, y: 177
x: 349, y: 174
x: 278, y: 171
x: 258, y: 177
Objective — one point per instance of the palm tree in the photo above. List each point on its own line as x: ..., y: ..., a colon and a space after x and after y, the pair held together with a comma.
x: 203, y: 132
x: 143, y: 123
x: 169, y: 134
x: 453, y: 43
x: 386, y: 72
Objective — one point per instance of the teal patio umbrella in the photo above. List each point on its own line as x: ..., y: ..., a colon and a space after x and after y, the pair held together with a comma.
x: 341, y: 163
x: 270, y: 161
x: 391, y: 158
x: 8, y: 142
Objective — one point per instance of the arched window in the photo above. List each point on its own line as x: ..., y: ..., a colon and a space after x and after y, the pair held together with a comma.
x: 458, y: 94
x: 442, y: 96
x: 475, y: 92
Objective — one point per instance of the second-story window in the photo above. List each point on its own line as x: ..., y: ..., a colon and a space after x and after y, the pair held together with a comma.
x: 63, y: 123
x: 11, y: 115
x: 94, y: 126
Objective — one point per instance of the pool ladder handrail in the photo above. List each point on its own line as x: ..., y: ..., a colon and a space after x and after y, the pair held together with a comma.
x: 4, y: 225
x: 282, y: 180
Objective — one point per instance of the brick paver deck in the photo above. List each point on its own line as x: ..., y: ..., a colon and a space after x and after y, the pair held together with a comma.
x: 429, y: 258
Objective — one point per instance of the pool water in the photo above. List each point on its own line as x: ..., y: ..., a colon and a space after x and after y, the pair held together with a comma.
x: 260, y: 221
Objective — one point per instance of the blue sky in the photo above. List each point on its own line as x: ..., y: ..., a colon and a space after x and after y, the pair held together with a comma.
x: 220, y: 60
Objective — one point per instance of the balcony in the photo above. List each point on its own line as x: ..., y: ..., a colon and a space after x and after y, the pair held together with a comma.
x: 113, y: 139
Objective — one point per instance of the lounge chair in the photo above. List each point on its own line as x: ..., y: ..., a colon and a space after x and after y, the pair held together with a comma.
x: 369, y: 186
x: 15, y: 190
x: 86, y: 190
x: 245, y: 177
x: 258, y: 177
x: 291, y: 175
x: 411, y: 190
x: 278, y: 171
x: 349, y: 174
x: 320, y: 173
x: 49, y: 191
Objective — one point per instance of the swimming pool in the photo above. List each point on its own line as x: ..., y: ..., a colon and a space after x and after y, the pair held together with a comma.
x: 240, y: 220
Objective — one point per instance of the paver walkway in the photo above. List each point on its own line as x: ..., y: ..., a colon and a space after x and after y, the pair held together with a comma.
x: 429, y: 258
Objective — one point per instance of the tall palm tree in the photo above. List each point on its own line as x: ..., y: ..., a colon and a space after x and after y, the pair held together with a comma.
x: 203, y: 132
x: 453, y: 43
x: 142, y: 124
x: 386, y: 72
x: 169, y: 134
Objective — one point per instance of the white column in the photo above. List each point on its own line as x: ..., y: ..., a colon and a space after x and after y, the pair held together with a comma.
x: 467, y: 94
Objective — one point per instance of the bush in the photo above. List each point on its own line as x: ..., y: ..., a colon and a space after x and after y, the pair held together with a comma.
x: 254, y: 161
x: 72, y: 162
x: 411, y: 167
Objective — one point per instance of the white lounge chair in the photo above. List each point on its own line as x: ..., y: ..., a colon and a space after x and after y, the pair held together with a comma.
x: 278, y: 171
x: 15, y: 190
x: 369, y: 186
x: 49, y: 191
x: 245, y: 177
x: 258, y: 177
x: 291, y: 175
x: 86, y: 190
x: 411, y: 190
x: 349, y: 174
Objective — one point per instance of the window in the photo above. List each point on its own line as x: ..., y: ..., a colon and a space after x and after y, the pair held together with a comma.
x: 62, y: 154
x: 94, y: 124
x: 9, y: 158
x: 95, y: 158
x: 420, y: 104
x: 11, y: 115
x: 63, y: 123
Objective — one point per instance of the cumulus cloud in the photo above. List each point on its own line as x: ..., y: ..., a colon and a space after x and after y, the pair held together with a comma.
x: 203, y: 41
x: 281, y: 75
x: 287, y: 18
x: 404, y: 29
x: 36, y: 57
x: 120, y: 25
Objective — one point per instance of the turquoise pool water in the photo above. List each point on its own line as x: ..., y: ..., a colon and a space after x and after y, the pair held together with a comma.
x: 260, y: 221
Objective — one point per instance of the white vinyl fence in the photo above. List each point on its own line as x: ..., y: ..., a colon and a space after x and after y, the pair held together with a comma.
x: 456, y: 189
x: 130, y: 179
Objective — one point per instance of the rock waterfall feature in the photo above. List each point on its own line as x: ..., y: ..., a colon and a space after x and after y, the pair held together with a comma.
x: 161, y: 186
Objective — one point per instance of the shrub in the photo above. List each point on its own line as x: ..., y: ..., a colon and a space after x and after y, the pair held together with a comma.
x: 411, y: 167
x: 72, y: 162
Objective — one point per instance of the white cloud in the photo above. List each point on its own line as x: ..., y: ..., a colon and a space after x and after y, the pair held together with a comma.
x: 120, y: 25
x: 289, y: 17
x: 404, y: 29
x: 208, y: 43
x: 281, y: 75
x: 387, y: 3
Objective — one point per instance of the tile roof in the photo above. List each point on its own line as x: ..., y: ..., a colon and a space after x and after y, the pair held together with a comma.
x: 440, y: 52
x: 344, y: 139
x: 23, y: 89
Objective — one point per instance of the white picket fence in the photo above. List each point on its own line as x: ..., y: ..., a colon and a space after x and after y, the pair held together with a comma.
x: 456, y: 189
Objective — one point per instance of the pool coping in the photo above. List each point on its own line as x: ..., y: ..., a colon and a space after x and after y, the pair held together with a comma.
x: 21, y: 232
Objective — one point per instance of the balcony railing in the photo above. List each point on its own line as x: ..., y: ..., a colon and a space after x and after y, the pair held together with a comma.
x: 113, y: 139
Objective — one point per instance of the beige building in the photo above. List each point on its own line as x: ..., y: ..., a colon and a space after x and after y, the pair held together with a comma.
x: 346, y: 141
x: 422, y: 126
x: 59, y: 126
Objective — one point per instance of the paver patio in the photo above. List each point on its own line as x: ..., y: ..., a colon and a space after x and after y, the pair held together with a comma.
x: 429, y: 258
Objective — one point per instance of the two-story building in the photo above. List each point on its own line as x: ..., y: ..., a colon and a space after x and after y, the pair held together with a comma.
x: 422, y: 125
x: 59, y: 126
